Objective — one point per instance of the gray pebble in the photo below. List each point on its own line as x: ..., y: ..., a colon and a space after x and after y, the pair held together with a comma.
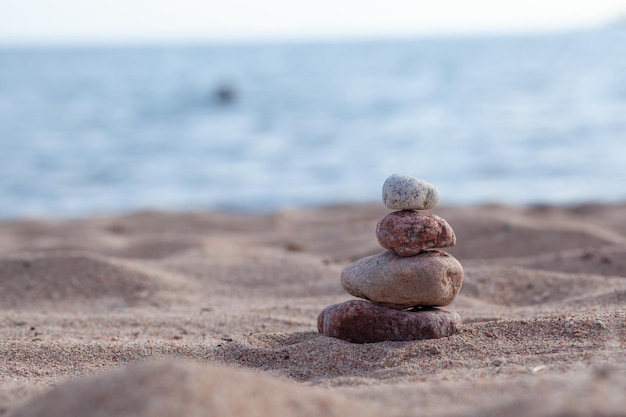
x: 404, y: 192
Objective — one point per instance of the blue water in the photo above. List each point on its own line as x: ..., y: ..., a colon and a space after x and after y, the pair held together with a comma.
x: 520, y: 120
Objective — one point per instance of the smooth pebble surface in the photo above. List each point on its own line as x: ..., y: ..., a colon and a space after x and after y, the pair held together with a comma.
x: 360, y: 321
x: 404, y: 192
x: 409, y: 232
x: 430, y: 278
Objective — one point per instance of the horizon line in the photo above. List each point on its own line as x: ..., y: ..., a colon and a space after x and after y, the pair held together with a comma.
x: 154, y: 41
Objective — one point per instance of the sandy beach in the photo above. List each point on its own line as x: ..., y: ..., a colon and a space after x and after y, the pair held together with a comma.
x: 212, y: 313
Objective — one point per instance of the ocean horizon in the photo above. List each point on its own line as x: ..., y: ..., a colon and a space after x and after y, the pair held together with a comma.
x: 520, y: 119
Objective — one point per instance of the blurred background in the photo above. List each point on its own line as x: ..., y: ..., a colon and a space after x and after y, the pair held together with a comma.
x: 117, y: 106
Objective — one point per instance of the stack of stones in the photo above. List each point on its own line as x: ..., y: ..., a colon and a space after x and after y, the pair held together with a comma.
x: 405, y: 284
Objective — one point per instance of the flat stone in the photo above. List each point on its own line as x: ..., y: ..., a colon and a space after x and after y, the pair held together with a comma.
x: 407, y: 233
x: 404, y: 192
x: 360, y: 321
x: 430, y: 278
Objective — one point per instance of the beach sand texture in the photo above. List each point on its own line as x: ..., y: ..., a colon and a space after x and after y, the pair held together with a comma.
x: 156, y: 314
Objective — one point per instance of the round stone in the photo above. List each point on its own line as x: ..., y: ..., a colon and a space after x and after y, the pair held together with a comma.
x: 360, y: 321
x: 430, y: 278
x: 404, y: 192
x: 407, y: 233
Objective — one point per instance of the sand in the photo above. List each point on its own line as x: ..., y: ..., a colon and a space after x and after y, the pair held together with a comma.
x: 212, y: 313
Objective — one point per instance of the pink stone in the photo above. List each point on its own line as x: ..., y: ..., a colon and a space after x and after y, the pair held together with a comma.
x: 430, y: 278
x: 409, y: 232
x: 359, y: 321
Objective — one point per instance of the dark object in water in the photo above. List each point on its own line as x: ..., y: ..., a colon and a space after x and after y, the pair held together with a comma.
x: 224, y: 94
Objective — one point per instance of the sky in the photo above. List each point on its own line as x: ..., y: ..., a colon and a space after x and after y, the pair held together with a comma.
x: 121, y: 21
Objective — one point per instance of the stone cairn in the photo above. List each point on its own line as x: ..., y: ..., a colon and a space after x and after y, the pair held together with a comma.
x: 405, y: 284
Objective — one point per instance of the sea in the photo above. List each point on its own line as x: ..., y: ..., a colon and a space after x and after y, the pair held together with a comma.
x: 257, y: 127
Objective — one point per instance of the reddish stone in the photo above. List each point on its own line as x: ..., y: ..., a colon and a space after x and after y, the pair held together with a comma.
x: 408, y: 232
x: 360, y: 321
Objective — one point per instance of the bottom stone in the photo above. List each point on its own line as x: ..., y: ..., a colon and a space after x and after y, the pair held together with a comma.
x: 360, y: 321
